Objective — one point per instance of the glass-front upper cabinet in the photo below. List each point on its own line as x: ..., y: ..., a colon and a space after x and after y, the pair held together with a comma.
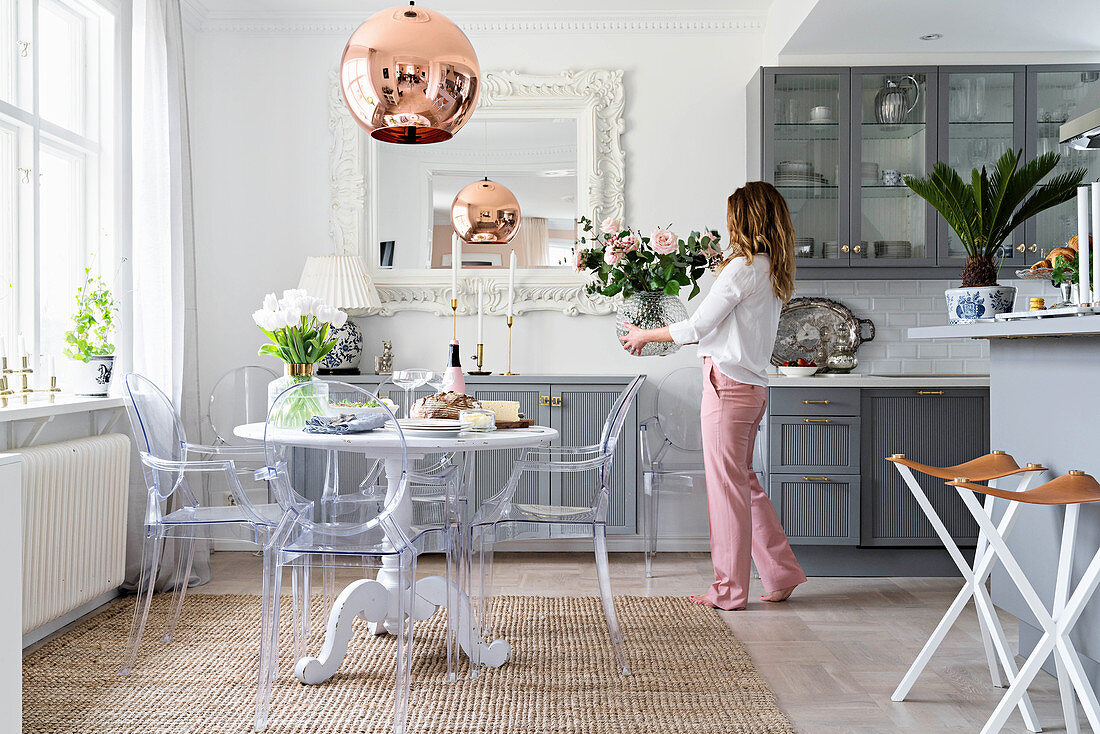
x: 894, y: 134
x: 984, y: 113
x: 1055, y: 95
x: 806, y: 157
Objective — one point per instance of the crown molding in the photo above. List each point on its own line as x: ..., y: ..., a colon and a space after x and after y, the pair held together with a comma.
x: 303, y: 23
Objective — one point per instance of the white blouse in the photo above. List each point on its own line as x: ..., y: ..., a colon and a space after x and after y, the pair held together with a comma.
x: 736, y: 323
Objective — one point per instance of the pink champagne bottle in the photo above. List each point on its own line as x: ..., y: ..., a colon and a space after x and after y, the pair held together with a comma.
x: 453, y: 379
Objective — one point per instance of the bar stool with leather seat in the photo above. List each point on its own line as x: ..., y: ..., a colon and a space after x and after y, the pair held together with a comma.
x: 1070, y: 491
x: 992, y: 466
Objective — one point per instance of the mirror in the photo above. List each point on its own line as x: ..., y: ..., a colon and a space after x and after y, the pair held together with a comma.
x: 535, y: 158
x: 553, y: 139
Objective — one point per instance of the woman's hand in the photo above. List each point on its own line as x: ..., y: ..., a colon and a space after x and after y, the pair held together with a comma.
x: 635, y: 339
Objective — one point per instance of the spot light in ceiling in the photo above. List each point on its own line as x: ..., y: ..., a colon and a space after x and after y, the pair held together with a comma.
x: 931, y: 37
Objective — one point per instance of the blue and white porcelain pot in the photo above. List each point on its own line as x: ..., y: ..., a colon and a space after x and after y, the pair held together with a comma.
x: 966, y: 305
x: 346, y: 354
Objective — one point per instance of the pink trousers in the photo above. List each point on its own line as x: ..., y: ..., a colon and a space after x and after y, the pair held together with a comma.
x: 743, y: 522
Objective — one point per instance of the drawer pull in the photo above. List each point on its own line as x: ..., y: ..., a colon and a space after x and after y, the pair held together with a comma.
x: 555, y: 402
x: 816, y: 479
x: 544, y: 399
x: 816, y: 420
x: 929, y: 392
x: 815, y: 402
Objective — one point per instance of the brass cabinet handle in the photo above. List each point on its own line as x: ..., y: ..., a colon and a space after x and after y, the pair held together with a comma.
x: 1033, y: 248
x: 816, y: 420
x: 816, y: 479
x: 929, y: 392
x: 844, y: 248
x: 1021, y: 247
x: 544, y: 399
x: 556, y: 402
x: 856, y: 249
x: 815, y: 402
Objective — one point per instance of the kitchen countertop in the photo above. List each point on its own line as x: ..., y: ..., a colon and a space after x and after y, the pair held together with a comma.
x: 1016, y: 329
x: 870, y: 380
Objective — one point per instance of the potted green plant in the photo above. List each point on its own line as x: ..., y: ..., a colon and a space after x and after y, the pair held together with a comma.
x: 983, y: 213
x: 89, y: 341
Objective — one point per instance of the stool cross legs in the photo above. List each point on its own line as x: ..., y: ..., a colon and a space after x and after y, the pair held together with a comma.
x: 996, y: 465
x: 1071, y: 491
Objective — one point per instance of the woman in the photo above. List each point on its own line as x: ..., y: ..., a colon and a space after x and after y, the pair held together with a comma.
x: 735, y: 328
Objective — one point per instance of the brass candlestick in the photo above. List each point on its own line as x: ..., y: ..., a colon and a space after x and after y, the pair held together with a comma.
x: 25, y: 389
x: 480, y: 359
x: 508, y: 320
x: 4, y: 391
x: 454, y: 318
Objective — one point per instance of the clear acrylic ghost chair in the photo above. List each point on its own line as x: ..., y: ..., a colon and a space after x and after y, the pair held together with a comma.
x: 590, y: 512
x: 364, y: 532
x: 173, y: 510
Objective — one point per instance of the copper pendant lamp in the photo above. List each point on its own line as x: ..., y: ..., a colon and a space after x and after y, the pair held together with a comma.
x: 409, y: 75
x: 485, y: 212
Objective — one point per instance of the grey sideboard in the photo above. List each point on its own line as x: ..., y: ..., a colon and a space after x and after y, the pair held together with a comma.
x: 575, y: 405
x: 826, y: 472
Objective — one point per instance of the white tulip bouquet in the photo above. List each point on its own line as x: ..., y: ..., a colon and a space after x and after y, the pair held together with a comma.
x: 298, y: 326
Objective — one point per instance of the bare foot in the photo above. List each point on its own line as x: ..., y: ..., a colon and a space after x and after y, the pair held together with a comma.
x: 704, y: 602
x: 779, y: 594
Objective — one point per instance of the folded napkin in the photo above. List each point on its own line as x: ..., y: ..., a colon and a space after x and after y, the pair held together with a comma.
x: 346, y: 423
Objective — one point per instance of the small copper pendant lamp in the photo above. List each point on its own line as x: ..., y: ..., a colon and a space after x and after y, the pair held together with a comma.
x: 485, y: 212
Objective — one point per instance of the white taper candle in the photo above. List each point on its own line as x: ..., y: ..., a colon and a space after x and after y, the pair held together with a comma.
x: 21, y: 346
x: 1095, y: 241
x: 456, y: 264
x: 1083, y: 283
x: 511, y: 281
x: 480, y: 312
x: 52, y: 372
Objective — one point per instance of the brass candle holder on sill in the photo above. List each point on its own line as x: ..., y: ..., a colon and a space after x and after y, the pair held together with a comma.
x: 479, y: 358
x: 509, y: 320
x: 454, y: 318
x: 25, y: 390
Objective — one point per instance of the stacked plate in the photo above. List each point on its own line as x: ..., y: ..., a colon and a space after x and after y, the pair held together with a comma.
x: 794, y: 178
x: 893, y: 248
x: 437, y: 427
x: 869, y: 175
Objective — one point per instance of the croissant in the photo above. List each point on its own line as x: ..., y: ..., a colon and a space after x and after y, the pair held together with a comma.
x: 1041, y: 265
x: 1074, y: 245
x: 1061, y: 252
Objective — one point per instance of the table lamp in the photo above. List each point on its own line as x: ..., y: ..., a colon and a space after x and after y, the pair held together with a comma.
x: 342, y: 281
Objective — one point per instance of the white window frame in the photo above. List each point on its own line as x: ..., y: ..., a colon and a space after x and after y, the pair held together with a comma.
x: 104, y: 146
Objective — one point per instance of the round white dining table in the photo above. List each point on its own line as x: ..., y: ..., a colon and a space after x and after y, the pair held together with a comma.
x: 374, y: 600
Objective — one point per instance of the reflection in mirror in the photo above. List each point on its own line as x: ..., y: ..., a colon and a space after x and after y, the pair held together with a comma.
x: 415, y: 185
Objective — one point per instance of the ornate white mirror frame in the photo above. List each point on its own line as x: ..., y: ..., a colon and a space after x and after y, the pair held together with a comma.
x: 594, y: 98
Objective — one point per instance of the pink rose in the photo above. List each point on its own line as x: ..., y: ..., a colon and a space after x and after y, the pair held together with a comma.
x: 611, y: 226
x: 578, y: 260
x: 628, y: 243
x: 612, y: 256
x: 664, y: 241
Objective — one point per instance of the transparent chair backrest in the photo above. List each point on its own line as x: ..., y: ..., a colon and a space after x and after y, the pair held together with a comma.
x: 156, y: 425
x: 613, y: 426
x: 679, y: 400
x: 301, y: 472
x: 239, y: 396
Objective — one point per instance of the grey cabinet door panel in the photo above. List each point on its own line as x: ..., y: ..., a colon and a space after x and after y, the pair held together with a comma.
x: 494, y: 467
x: 803, y: 401
x: 817, y: 510
x: 809, y: 444
x: 939, y: 428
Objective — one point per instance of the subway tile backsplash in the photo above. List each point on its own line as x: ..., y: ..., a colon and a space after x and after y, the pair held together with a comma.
x: 896, y: 305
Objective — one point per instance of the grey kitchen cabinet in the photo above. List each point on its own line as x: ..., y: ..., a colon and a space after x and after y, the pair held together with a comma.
x: 829, y: 481
x: 966, y: 116
x: 575, y: 405
x: 940, y: 427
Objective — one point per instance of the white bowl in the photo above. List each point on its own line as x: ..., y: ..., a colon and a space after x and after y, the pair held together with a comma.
x: 797, y: 371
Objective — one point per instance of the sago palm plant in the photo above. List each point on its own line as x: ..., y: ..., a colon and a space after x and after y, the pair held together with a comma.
x: 985, y: 211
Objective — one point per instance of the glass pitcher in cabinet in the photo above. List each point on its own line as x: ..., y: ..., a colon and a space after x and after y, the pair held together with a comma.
x: 1054, y: 97
x: 806, y: 114
x: 893, y: 136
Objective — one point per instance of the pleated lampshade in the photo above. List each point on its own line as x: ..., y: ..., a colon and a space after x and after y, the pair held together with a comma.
x: 341, y: 280
x: 410, y: 76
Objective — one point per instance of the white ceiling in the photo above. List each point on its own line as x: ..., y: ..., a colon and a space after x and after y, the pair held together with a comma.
x: 968, y: 26
x: 505, y: 7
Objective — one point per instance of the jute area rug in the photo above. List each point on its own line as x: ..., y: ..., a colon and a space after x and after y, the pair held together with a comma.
x: 690, y: 674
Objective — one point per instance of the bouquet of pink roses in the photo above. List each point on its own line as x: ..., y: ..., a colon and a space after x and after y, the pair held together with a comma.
x: 625, y: 262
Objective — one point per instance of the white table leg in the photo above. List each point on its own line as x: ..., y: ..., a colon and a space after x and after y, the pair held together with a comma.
x: 375, y: 601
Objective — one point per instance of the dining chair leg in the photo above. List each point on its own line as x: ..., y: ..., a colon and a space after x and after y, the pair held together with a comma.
x: 486, y: 544
x: 150, y: 565
x: 649, y: 515
x: 269, y: 636
x: 996, y: 676
x: 299, y: 608
x: 453, y: 592
x: 185, y: 556
x: 1061, y: 596
x: 603, y: 575
x: 406, y: 597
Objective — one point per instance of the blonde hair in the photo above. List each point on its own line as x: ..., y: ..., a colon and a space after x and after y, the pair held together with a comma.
x: 760, y: 222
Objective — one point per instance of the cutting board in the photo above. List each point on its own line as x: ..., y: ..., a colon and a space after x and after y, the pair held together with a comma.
x: 521, y: 423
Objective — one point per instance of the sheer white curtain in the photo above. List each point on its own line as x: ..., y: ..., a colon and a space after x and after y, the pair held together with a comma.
x: 163, y: 243
x: 531, y: 243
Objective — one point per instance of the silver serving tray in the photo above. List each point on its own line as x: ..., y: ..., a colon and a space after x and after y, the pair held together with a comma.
x: 805, y: 322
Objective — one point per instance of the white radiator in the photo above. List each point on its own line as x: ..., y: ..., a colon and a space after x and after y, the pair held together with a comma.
x: 74, y: 524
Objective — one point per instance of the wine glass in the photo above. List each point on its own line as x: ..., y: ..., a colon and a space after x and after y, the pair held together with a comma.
x: 434, y: 380
x: 409, y: 380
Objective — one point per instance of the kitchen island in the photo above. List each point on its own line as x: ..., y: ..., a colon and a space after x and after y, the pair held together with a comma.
x: 1044, y: 407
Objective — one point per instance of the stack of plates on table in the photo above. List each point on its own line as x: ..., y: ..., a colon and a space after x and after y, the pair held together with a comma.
x: 810, y: 178
x: 893, y: 248
x: 437, y: 427
x: 803, y: 246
